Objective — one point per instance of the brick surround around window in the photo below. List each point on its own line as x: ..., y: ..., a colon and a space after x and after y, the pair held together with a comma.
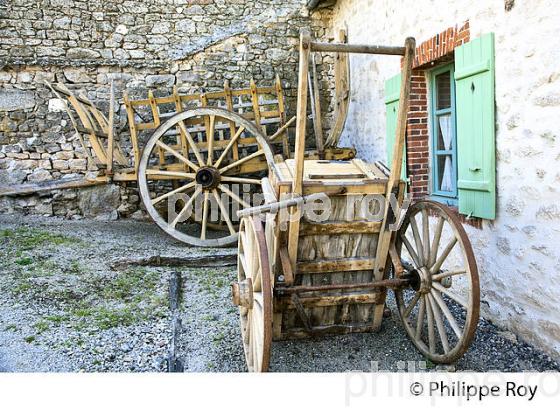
x: 429, y: 54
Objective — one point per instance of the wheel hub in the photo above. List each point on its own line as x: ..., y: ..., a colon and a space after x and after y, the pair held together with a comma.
x: 242, y: 293
x: 419, y: 279
x: 208, y: 177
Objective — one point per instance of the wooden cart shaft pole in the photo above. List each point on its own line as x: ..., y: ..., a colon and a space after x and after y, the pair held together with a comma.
x: 301, y: 113
x: 386, y: 235
x: 357, y: 48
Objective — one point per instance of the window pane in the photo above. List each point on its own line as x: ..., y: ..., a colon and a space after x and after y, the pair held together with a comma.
x: 445, y: 132
x: 445, y: 172
x: 443, y: 92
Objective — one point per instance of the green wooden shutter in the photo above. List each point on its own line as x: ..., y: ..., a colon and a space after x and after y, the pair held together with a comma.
x: 476, y: 157
x: 392, y: 94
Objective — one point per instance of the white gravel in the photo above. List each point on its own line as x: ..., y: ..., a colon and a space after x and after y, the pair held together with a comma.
x: 209, y: 339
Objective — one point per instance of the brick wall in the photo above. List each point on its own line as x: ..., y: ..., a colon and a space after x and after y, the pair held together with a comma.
x: 430, y: 53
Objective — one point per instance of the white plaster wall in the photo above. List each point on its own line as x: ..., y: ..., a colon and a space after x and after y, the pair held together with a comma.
x: 518, y: 253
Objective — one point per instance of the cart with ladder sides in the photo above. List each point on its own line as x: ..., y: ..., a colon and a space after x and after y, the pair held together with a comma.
x: 304, y: 273
x: 209, y: 149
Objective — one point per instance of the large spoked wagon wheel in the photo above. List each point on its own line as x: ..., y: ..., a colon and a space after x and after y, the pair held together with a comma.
x: 198, y: 169
x: 440, y: 308
x: 253, y: 294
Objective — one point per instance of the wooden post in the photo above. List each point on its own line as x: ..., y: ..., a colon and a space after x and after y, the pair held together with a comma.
x: 232, y: 130
x: 301, y: 113
x: 316, y: 108
x: 111, y: 131
x: 386, y: 235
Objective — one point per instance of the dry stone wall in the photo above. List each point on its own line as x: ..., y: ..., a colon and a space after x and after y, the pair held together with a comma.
x: 140, y: 45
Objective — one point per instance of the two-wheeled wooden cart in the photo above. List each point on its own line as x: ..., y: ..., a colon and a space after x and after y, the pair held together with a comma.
x: 329, y: 271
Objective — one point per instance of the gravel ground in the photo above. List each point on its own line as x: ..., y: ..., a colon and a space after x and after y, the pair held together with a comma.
x: 63, y: 308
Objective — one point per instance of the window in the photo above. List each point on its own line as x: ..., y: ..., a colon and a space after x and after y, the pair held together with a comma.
x: 443, y: 135
x: 455, y: 139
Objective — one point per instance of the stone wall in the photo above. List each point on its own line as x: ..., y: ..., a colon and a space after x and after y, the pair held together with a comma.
x: 141, y: 45
x: 517, y: 253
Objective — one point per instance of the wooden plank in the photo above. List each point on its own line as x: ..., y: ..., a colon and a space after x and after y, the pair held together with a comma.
x: 335, y: 265
x: 339, y: 228
x: 337, y: 177
x: 285, y: 302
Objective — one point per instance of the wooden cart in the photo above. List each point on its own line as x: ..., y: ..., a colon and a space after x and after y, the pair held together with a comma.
x: 203, y: 156
x: 329, y: 271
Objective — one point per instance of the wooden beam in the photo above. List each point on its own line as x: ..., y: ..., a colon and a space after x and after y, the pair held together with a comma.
x: 357, y: 48
x: 386, y: 234
x: 301, y: 114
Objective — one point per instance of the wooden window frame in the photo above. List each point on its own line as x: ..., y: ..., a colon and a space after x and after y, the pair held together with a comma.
x: 449, y: 198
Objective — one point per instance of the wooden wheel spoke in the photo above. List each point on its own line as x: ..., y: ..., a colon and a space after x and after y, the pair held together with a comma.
x: 210, y: 138
x: 192, y: 143
x: 241, y: 180
x: 426, y: 235
x: 410, y: 250
x: 431, y: 333
x: 447, y: 313
x: 248, y: 330
x: 439, y: 276
x: 452, y: 295
x: 417, y: 240
x: 224, y: 211
x: 246, y: 251
x: 174, y: 192
x: 243, y: 263
x: 420, y: 318
x: 241, y: 161
x: 204, y: 215
x: 233, y: 196
x: 178, y: 155
x: 435, y: 242
x: 164, y: 173
x: 413, y: 303
x: 436, y: 267
x: 229, y: 145
x: 181, y: 214
x: 439, y: 324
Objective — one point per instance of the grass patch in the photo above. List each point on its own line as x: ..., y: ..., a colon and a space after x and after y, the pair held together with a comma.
x: 10, y: 327
x: 30, y: 238
x: 57, y: 319
x: 24, y: 261
x: 30, y: 339
x: 41, y: 326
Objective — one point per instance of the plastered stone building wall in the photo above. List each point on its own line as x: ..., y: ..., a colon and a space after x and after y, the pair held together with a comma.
x: 140, y: 45
x: 517, y: 253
